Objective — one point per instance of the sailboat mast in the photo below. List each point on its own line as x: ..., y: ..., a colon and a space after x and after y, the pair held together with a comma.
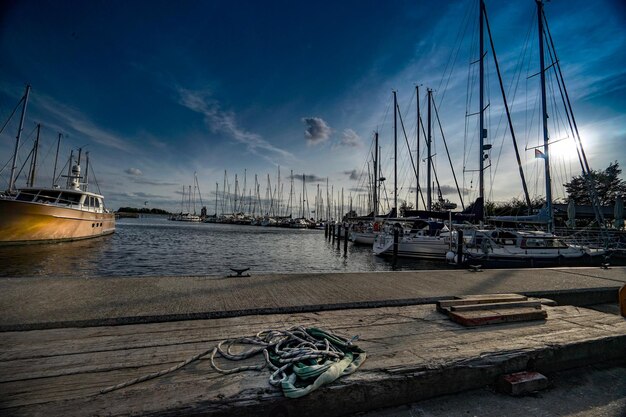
x: 56, y: 158
x: 395, y: 152
x: 17, y: 140
x: 33, y: 164
x: 417, y: 151
x: 429, y: 151
x: 482, y: 132
x: 303, y: 196
x: 216, y: 194
x: 544, y: 117
x: 375, y: 200
x: 86, y: 177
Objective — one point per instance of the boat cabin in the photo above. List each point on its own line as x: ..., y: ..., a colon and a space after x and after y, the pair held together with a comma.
x: 63, y: 198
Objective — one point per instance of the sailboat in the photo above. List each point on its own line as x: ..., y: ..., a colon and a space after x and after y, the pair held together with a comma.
x: 52, y: 214
x: 420, y: 236
x: 530, y: 247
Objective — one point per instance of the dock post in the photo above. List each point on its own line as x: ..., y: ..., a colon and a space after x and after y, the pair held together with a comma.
x: 339, y: 236
x: 345, y: 241
x: 396, y: 238
x: 326, y: 231
x: 459, y: 247
x: 332, y: 233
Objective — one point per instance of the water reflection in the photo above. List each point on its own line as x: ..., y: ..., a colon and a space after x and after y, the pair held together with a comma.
x: 155, y: 246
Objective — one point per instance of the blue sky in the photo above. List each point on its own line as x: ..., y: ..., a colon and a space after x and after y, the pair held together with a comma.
x: 158, y: 90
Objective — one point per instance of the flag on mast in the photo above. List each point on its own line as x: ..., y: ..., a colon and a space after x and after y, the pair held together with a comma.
x: 539, y: 154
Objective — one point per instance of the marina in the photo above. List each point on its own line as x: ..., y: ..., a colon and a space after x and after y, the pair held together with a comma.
x: 396, y: 221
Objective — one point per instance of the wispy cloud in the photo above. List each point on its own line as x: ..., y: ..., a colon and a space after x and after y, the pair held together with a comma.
x: 352, y: 175
x: 133, y: 171
x: 350, y: 138
x: 307, y: 177
x: 225, y: 122
x: 144, y: 181
x: 73, y: 119
x: 317, y: 130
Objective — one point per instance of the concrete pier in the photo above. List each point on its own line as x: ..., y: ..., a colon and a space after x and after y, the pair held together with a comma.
x: 63, y: 340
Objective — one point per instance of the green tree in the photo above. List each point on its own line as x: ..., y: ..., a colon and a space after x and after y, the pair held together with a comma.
x: 606, y: 183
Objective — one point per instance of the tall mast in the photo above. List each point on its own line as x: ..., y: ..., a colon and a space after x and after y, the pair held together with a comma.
x: 375, y: 201
x: 182, y: 202
x: 545, y: 117
x: 429, y: 156
x: 395, y: 152
x: 216, y: 193
x: 54, y: 173
x: 86, y: 178
x: 17, y: 140
x: 33, y: 164
x: 69, y: 169
x: 482, y: 133
x: 417, y: 156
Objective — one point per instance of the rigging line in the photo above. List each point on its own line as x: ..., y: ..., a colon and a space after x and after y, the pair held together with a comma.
x: 506, y: 106
x: 460, y: 34
x: 443, y: 137
x: 12, y: 114
x: 566, y: 95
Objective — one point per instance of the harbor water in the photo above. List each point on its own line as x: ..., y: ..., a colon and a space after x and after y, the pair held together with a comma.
x: 152, y: 245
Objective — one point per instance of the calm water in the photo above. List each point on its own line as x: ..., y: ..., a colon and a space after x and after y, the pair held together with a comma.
x: 156, y: 246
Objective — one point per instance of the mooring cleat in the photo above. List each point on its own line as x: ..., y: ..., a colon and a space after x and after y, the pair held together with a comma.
x: 475, y: 268
x: 239, y: 272
x: 605, y: 265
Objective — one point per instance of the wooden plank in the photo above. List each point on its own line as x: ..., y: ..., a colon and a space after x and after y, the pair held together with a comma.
x: 481, y: 299
x: 484, y: 317
x: 496, y: 306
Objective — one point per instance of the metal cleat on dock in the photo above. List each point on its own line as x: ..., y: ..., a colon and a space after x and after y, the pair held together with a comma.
x: 239, y: 272
x: 475, y: 268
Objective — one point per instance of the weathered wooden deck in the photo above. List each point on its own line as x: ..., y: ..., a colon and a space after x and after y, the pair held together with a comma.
x: 36, y: 303
x: 413, y: 352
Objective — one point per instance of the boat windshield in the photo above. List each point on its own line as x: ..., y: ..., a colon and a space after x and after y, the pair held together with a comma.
x: 26, y: 195
x: 47, y: 196
x: 543, y: 243
x: 69, y: 198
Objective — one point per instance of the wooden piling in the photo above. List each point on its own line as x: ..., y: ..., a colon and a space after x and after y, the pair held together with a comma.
x: 345, y: 241
x: 332, y: 233
x: 339, y: 236
x: 326, y: 230
x: 396, y: 238
x: 459, y: 247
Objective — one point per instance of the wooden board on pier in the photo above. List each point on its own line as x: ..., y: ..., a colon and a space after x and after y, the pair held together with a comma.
x: 479, y: 310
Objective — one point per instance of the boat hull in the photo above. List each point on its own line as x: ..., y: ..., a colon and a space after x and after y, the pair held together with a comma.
x: 421, y: 247
x: 28, y: 222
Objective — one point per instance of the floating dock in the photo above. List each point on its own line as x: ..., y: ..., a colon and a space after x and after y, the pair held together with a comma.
x: 64, y: 340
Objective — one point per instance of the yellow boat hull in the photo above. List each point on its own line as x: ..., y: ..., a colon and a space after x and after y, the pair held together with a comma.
x: 29, y: 222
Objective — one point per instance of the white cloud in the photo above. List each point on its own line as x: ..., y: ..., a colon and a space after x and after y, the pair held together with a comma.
x: 317, y: 130
x: 133, y: 171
